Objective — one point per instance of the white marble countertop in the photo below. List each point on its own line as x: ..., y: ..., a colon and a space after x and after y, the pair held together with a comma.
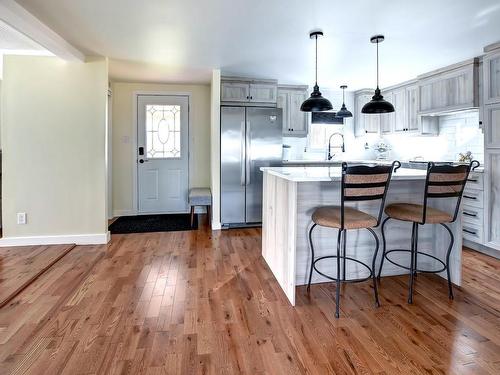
x: 319, y: 174
x: 307, y: 162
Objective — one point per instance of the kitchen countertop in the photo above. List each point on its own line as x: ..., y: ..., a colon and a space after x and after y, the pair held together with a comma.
x: 405, y: 163
x: 319, y: 174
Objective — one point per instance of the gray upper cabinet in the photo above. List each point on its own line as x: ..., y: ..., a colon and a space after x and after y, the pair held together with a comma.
x: 263, y: 92
x: 399, y: 103
x: 491, y: 119
x: 450, y: 89
x: 491, y: 74
x: 235, y: 90
x: 387, y: 119
x: 412, y: 108
x: 364, y: 123
x: 295, y: 122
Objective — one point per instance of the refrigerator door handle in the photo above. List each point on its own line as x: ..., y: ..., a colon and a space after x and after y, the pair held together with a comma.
x: 248, y: 153
x: 242, y: 154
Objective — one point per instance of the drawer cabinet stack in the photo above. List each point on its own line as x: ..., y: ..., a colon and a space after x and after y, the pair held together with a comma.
x: 473, y: 208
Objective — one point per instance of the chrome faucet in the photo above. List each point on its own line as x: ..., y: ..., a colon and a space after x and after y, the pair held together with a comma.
x: 330, y: 156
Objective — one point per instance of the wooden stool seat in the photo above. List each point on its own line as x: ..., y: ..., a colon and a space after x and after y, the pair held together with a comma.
x: 330, y: 216
x: 415, y: 213
x: 200, y: 197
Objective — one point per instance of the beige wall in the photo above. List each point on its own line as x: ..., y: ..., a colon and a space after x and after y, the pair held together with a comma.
x: 53, y: 139
x: 124, y: 156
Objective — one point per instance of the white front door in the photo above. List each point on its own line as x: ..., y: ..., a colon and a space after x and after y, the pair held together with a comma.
x: 162, y: 153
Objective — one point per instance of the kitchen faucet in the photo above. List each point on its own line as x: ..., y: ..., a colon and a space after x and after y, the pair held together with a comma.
x: 330, y: 156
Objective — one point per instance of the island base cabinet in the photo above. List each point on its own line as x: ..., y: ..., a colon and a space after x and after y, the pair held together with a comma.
x: 287, y: 210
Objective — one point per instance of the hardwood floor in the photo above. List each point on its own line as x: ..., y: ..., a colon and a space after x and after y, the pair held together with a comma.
x: 199, y: 302
x: 19, y: 266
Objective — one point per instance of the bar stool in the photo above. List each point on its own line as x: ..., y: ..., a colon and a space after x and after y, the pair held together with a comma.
x: 442, y: 181
x: 359, y: 183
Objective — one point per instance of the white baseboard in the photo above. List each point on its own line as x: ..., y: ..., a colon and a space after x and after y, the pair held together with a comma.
x: 216, y: 226
x: 117, y: 213
x: 78, y: 239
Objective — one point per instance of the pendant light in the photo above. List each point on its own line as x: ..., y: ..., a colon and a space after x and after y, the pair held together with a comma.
x: 343, y: 112
x: 377, y: 104
x: 316, y: 102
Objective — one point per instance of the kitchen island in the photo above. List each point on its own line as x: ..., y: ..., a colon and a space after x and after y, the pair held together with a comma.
x: 290, y: 195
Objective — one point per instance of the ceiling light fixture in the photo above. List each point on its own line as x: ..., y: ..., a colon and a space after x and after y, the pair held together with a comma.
x: 343, y: 112
x: 378, y: 104
x: 316, y: 102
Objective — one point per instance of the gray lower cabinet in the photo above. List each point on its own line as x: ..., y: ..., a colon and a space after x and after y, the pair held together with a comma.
x: 295, y: 122
x: 450, y: 89
x: 491, y: 74
x: 248, y: 91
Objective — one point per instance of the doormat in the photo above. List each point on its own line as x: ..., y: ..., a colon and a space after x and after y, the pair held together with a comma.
x: 153, y: 223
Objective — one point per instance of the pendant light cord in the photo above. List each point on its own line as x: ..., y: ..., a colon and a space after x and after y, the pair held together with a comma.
x: 316, y: 60
x: 377, y: 63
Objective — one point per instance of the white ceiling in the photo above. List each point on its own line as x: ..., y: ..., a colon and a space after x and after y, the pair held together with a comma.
x: 183, y: 40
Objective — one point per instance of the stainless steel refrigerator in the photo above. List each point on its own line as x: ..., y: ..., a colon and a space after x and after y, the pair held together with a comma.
x: 251, y: 138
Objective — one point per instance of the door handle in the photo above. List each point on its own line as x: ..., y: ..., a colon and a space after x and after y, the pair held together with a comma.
x: 469, y: 231
x: 143, y: 161
x: 242, y: 154
x: 469, y: 214
x: 248, y: 153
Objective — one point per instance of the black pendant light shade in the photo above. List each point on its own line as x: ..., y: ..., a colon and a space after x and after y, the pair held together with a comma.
x: 343, y: 112
x: 316, y: 102
x: 378, y: 104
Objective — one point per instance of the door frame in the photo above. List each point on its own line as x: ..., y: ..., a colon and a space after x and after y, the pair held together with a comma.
x: 135, y: 116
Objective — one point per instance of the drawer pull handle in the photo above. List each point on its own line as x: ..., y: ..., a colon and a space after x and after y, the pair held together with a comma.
x: 469, y: 197
x: 469, y: 214
x: 469, y: 231
x: 470, y: 180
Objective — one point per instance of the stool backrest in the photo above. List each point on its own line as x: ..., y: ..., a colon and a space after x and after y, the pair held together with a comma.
x: 366, y: 183
x: 446, y: 181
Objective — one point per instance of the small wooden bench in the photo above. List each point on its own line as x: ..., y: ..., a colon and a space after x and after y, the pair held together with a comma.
x: 200, y: 197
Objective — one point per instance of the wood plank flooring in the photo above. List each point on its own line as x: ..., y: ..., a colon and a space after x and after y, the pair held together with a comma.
x: 199, y: 302
x: 20, y: 265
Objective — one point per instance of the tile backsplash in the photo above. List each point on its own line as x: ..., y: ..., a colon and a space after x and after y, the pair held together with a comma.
x: 458, y: 133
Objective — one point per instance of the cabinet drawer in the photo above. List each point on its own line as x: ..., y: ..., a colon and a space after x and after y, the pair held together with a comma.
x: 473, y: 197
x: 475, y: 181
x: 472, y: 232
x: 472, y: 215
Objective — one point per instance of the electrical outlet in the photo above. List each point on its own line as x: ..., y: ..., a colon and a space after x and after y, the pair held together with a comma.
x: 21, y: 217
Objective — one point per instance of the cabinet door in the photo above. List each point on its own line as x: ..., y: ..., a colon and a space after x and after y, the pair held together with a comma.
x: 387, y: 119
x: 492, y: 167
x: 364, y: 123
x: 449, y: 91
x: 412, y: 108
x: 399, y: 103
x: 491, y: 69
x: 298, y: 119
x: 263, y: 92
x: 491, y: 123
x: 235, y: 92
x: 283, y: 102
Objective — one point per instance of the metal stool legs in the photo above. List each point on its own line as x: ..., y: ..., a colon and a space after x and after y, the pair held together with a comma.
x: 341, y: 271
x: 413, y: 259
x: 452, y: 240
x: 375, y: 290
x: 383, y: 248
